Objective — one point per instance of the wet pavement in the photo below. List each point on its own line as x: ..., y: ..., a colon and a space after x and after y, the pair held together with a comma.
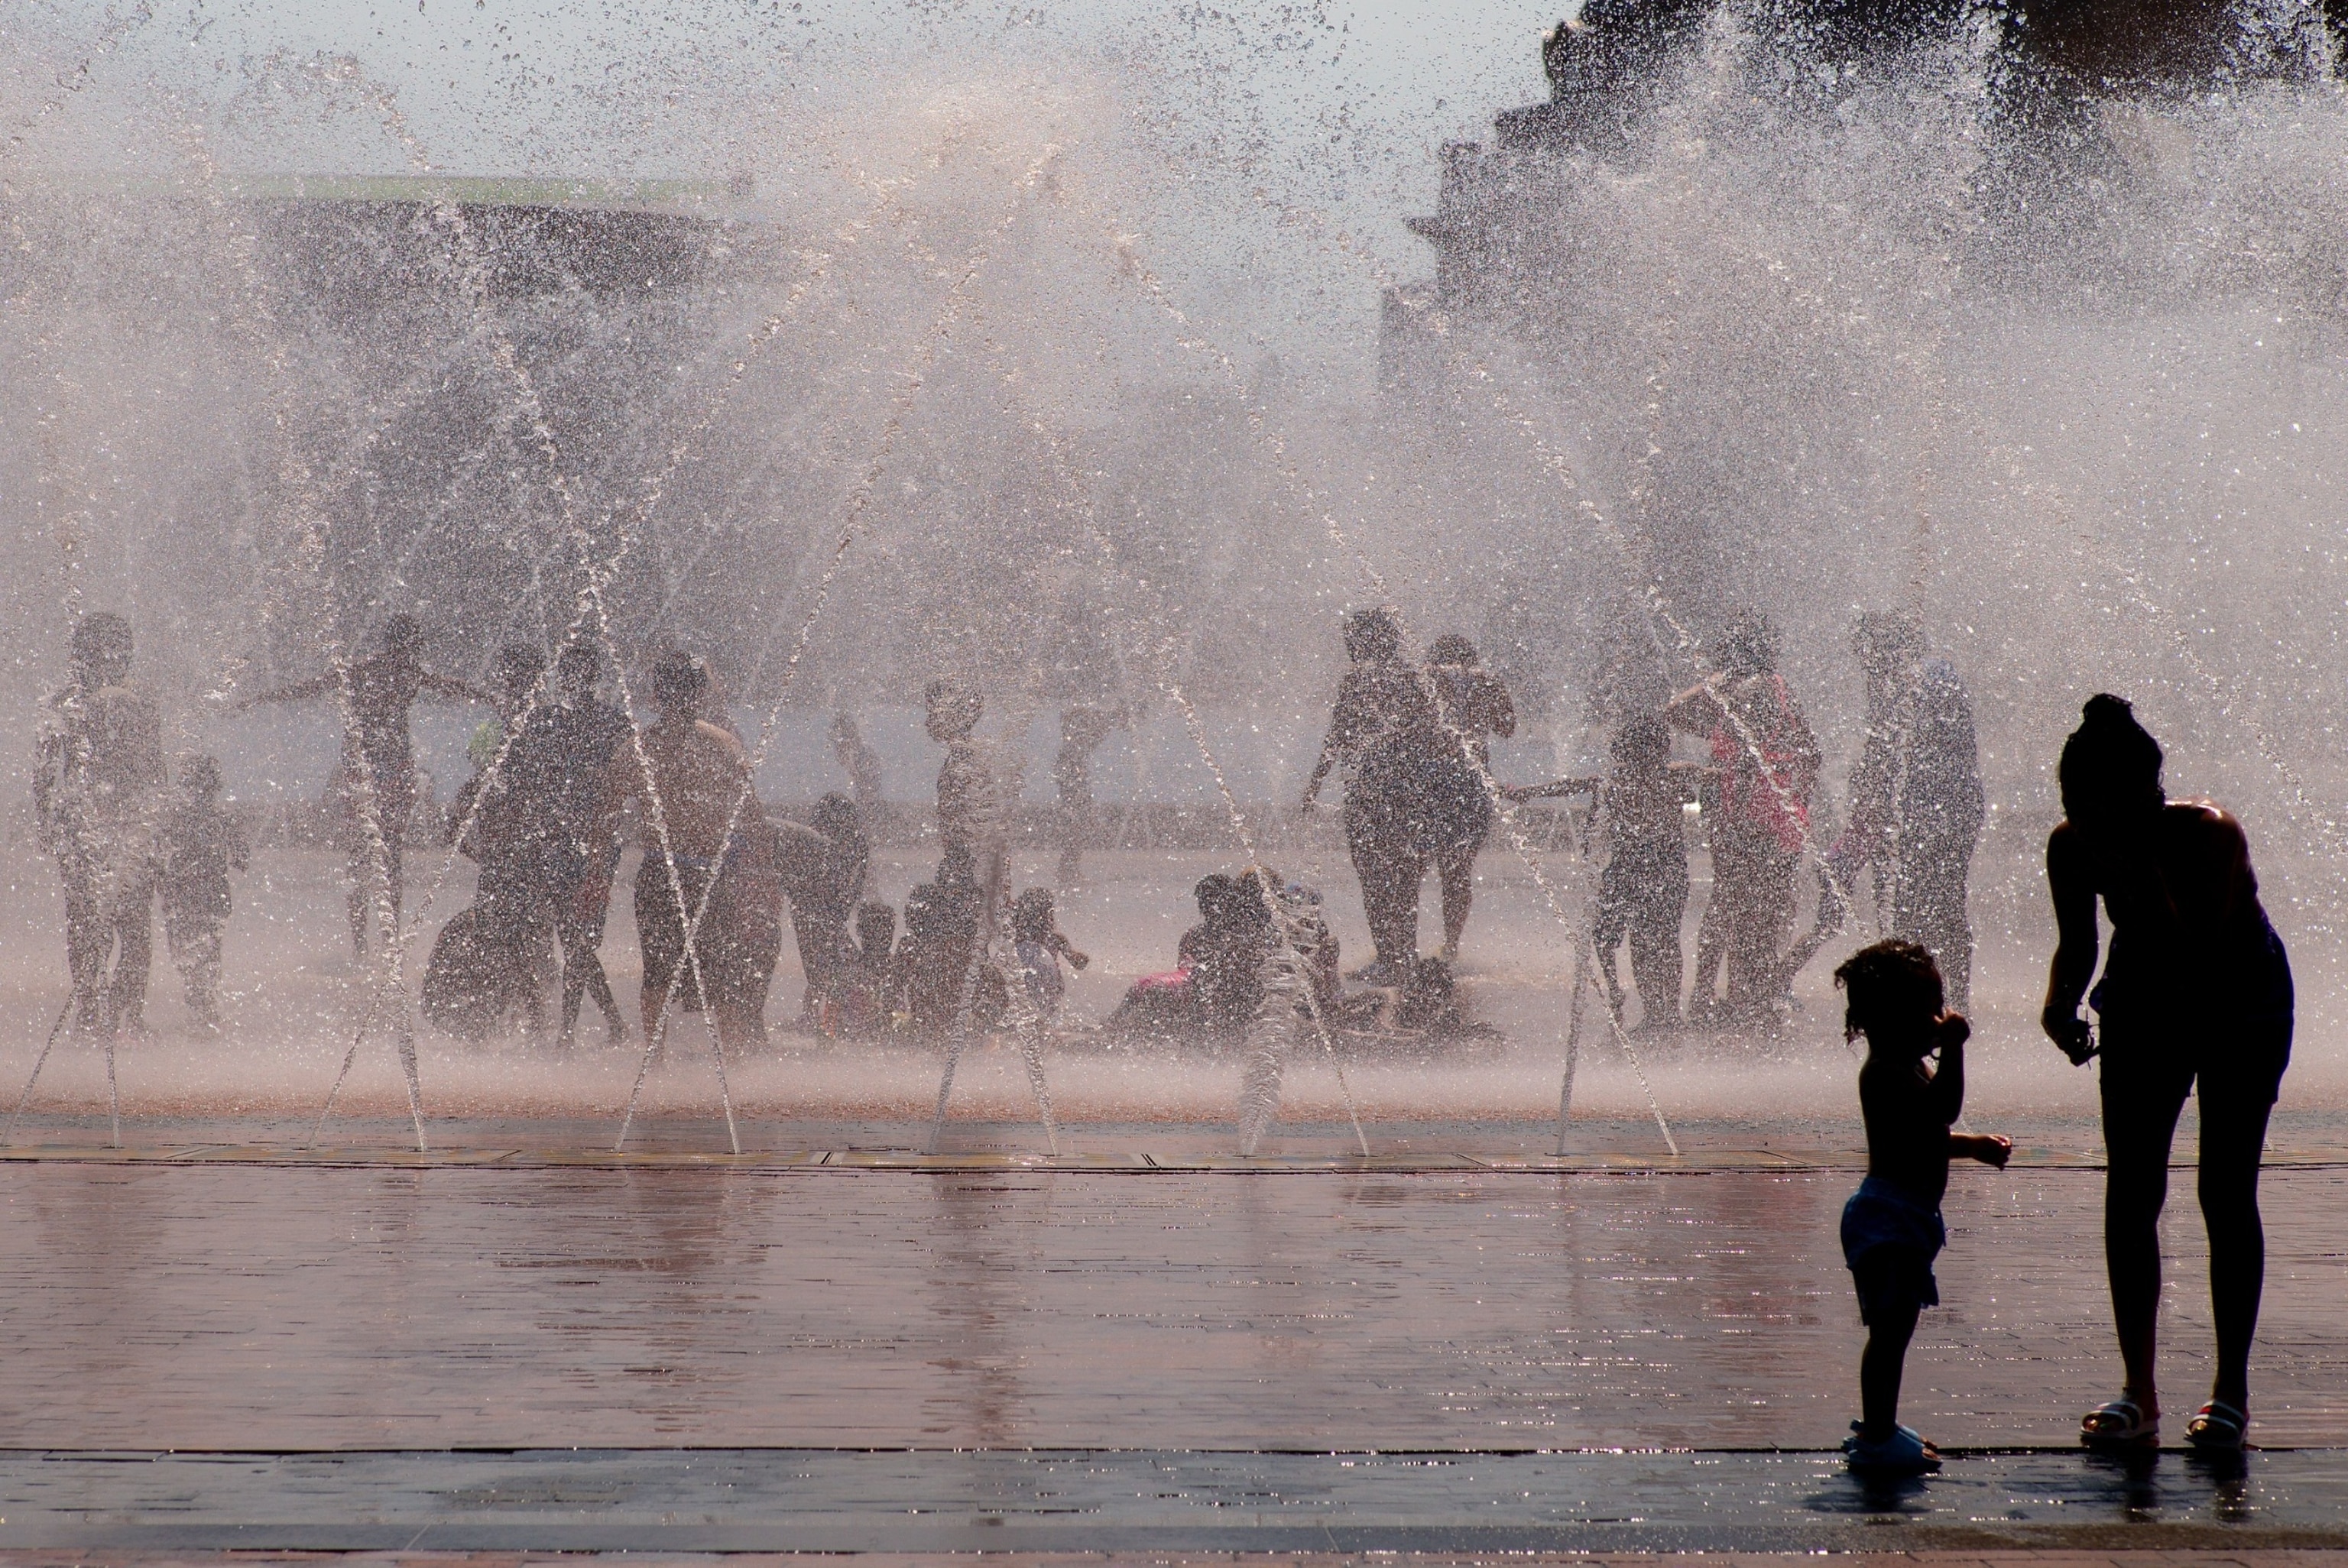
x: 836, y: 1343
x: 293, y: 1308
x: 797, y: 1499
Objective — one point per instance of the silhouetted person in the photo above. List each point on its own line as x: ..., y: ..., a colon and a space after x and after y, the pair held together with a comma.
x: 94, y: 802
x: 1864, y: 857
x: 1916, y: 804
x: 1383, y: 725
x: 1891, y: 1227
x: 970, y: 810
x: 568, y: 751
x: 1941, y: 810
x: 2196, y: 997
x: 1643, y: 892
x: 378, y: 760
x: 874, y: 985
x: 942, y: 950
x: 861, y: 763
x: 1890, y: 645
x: 1766, y: 762
x: 1471, y: 706
x: 1083, y: 728
x: 1226, y: 951
x: 823, y: 863
x: 696, y: 777
x: 512, y: 840
x: 1038, y: 944
x: 198, y: 845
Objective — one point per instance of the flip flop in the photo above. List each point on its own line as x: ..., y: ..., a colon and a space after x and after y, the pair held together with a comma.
x: 2119, y: 1424
x: 1904, y: 1452
x: 2218, y: 1427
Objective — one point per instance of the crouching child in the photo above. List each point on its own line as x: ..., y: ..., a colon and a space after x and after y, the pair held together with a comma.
x: 201, y: 844
x: 1891, y: 1227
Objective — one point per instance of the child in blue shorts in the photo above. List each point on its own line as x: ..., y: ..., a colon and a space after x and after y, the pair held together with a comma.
x: 1891, y: 1227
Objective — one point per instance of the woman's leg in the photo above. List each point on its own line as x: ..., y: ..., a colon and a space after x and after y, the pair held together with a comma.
x: 1655, y: 918
x: 2233, y: 1137
x: 1390, y: 869
x: 1455, y: 866
x: 2141, y: 1103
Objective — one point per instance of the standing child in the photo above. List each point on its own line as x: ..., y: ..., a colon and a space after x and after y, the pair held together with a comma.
x: 1891, y: 1227
x: 1644, y: 891
x: 1038, y: 944
x: 200, y: 845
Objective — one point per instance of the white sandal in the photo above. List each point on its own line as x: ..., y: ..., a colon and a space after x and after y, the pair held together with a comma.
x: 2119, y: 1424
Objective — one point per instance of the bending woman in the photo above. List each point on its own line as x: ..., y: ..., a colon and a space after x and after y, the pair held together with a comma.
x: 2196, y: 998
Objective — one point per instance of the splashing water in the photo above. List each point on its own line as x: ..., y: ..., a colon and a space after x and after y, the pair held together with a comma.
x: 1096, y: 366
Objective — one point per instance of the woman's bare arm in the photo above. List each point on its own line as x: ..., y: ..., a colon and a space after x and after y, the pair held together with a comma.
x: 2076, y: 942
x: 1342, y: 740
x: 1501, y: 710
x: 1695, y: 709
x: 453, y: 689
x: 300, y: 690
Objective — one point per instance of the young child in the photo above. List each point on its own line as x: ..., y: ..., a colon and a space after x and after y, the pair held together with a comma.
x: 1891, y: 1227
x: 874, y: 983
x: 1039, y: 946
x: 200, y: 845
x: 940, y: 945
x: 1644, y: 891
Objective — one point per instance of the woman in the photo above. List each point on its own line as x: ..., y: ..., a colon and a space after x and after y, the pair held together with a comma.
x: 1765, y: 760
x: 712, y: 862
x: 1384, y: 725
x: 1473, y: 707
x: 378, y: 775
x: 2197, y: 996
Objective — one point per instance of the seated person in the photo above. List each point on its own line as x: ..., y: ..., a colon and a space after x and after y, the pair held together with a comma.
x: 943, y: 930
x: 871, y: 981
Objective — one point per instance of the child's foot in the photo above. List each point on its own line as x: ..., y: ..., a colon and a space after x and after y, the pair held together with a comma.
x: 1904, y: 1452
x: 2120, y: 1424
x: 2218, y: 1427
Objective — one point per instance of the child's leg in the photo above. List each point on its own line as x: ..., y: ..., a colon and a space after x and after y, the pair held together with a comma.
x: 1712, y: 935
x: 133, y: 918
x: 195, y: 948
x: 1880, y: 1367
x: 2141, y: 1103
x: 2233, y: 1136
x: 1655, y: 943
x: 1766, y: 912
x: 1455, y: 868
x: 1613, y: 918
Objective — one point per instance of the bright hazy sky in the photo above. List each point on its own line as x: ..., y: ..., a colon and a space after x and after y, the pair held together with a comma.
x: 1335, y: 109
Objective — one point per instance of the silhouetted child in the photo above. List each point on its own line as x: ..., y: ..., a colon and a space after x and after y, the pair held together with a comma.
x: 201, y: 845
x: 1038, y: 945
x: 1644, y: 891
x: 939, y: 957
x: 874, y: 983
x: 1891, y: 1227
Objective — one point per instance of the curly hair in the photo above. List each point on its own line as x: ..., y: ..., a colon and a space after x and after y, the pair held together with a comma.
x: 1888, y: 981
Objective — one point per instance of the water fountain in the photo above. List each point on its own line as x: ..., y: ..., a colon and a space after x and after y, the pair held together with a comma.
x: 2027, y: 322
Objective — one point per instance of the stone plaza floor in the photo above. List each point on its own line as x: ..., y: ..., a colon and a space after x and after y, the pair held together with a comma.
x: 217, y: 1341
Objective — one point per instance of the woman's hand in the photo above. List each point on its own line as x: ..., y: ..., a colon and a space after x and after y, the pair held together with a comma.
x: 2071, y: 1032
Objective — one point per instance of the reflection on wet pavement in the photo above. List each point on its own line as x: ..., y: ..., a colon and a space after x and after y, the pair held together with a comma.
x: 774, y: 1499
x: 296, y: 1307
